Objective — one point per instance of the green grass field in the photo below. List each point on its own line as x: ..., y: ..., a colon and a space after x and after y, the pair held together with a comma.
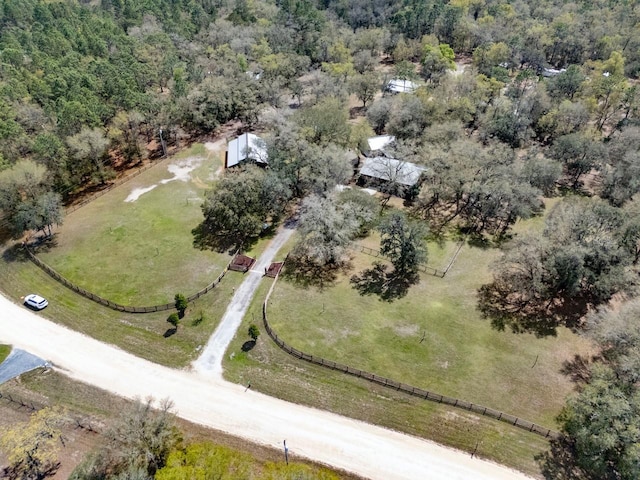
x: 5, y: 350
x: 433, y: 338
x: 140, y: 252
x: 273, y: 372
x: 109, y: 246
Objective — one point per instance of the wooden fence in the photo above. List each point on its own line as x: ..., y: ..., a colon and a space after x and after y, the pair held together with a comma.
x: 423, y: 268
x: 403, y: 387
x: 117, y: 306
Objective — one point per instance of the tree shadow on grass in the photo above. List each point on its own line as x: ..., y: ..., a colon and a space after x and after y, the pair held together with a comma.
x: 578, y: 369
x: 388, y: 285
x: 306, y: 273
x: 170, y: 332
x: 48, y: 469
x: 248, y: 345
x: 540, y: 317
x: 15, y: 254
x: 221, y: 242
x: 558, y: 463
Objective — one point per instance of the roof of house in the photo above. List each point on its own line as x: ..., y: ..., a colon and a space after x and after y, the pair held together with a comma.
x: 390, y: 169
x: 379, y: 142
x: 552, y: 72
x: 401, y: 86
x: 246, y: 146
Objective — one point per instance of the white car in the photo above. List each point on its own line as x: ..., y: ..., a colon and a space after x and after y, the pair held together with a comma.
x: 36, y: 301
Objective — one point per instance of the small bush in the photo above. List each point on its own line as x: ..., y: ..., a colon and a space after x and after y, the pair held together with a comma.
x: 181, y: 304
x: 254, y: 333
x: 174, y: 319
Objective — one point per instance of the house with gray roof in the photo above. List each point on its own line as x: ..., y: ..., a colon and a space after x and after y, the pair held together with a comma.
x: 246, y: 147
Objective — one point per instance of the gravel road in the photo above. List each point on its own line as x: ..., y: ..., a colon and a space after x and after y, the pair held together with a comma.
x: 368, y: 450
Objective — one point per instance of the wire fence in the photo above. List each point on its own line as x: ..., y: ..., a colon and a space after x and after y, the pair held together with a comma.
x: 403, y: 387
x: 77, y: 421
x: 422, y: 268
x: 116, y: 306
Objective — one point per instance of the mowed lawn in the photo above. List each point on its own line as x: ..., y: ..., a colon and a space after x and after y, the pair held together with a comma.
x: 433, y: 338
x: 135, y: 253
x: 140, y: 252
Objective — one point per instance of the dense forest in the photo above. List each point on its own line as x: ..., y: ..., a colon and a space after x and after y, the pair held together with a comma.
x: 517, y: 101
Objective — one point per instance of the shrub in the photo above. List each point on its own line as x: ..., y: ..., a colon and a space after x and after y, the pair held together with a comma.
x: 181, y: 304
x: 254, y: 333
x: 174, y: 319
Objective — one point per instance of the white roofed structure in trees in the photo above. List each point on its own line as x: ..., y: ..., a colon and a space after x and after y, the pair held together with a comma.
x: 246, y: 147
x: 400, y: 86
x: 377, y: 144
x: 392, y: 170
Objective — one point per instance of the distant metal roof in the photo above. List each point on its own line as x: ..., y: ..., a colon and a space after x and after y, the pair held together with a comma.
x: 401, y: 86
x: 390, y: 169
x: 379, y: 142
x: 246, y: 146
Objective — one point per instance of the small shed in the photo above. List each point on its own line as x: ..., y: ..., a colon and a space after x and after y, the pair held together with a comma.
x: 246, y: 147
x: 400, y: 86
x: 376, y: 145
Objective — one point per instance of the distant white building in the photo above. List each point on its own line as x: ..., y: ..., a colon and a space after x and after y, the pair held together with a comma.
x: 246, y: 147
x: 400, y: 86
x: 391, y: 170
x: 552, y: 72
x: 377, y: 145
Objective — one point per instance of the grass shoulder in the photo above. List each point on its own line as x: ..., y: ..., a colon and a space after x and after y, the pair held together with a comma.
x: 5, y: 350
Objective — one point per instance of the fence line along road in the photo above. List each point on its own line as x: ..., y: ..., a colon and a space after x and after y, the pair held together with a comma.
x: 116, y: 306
x: 403, y: 387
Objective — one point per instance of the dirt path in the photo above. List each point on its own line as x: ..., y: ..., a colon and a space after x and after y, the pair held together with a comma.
x: 210, y: 361
x: 355, y: 446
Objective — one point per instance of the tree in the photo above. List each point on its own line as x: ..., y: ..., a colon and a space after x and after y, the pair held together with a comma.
x: 25, y: 197
x: 378, y: 114
x: 238, y: 207
x: 402, y: 241
x: 580, y: 262
x: 567, y: 83
x: 143, y: 437
x: 603, y: 427
x: 88, y: 149
x: 326, y: 122
x: 365, y: 86
x: 580, y: 153
x: 358, y: 204
x: 617, y: 332
x: 254, y: 333
x: 31, y: 447
x: 181, y: 304
x: 436, y: 60
x: 324, y: 232
x: 174, y: 319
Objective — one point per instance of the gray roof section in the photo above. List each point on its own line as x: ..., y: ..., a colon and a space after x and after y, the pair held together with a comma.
x: 246, y: 146
x: 392, y: 170
x: 17, y: 363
